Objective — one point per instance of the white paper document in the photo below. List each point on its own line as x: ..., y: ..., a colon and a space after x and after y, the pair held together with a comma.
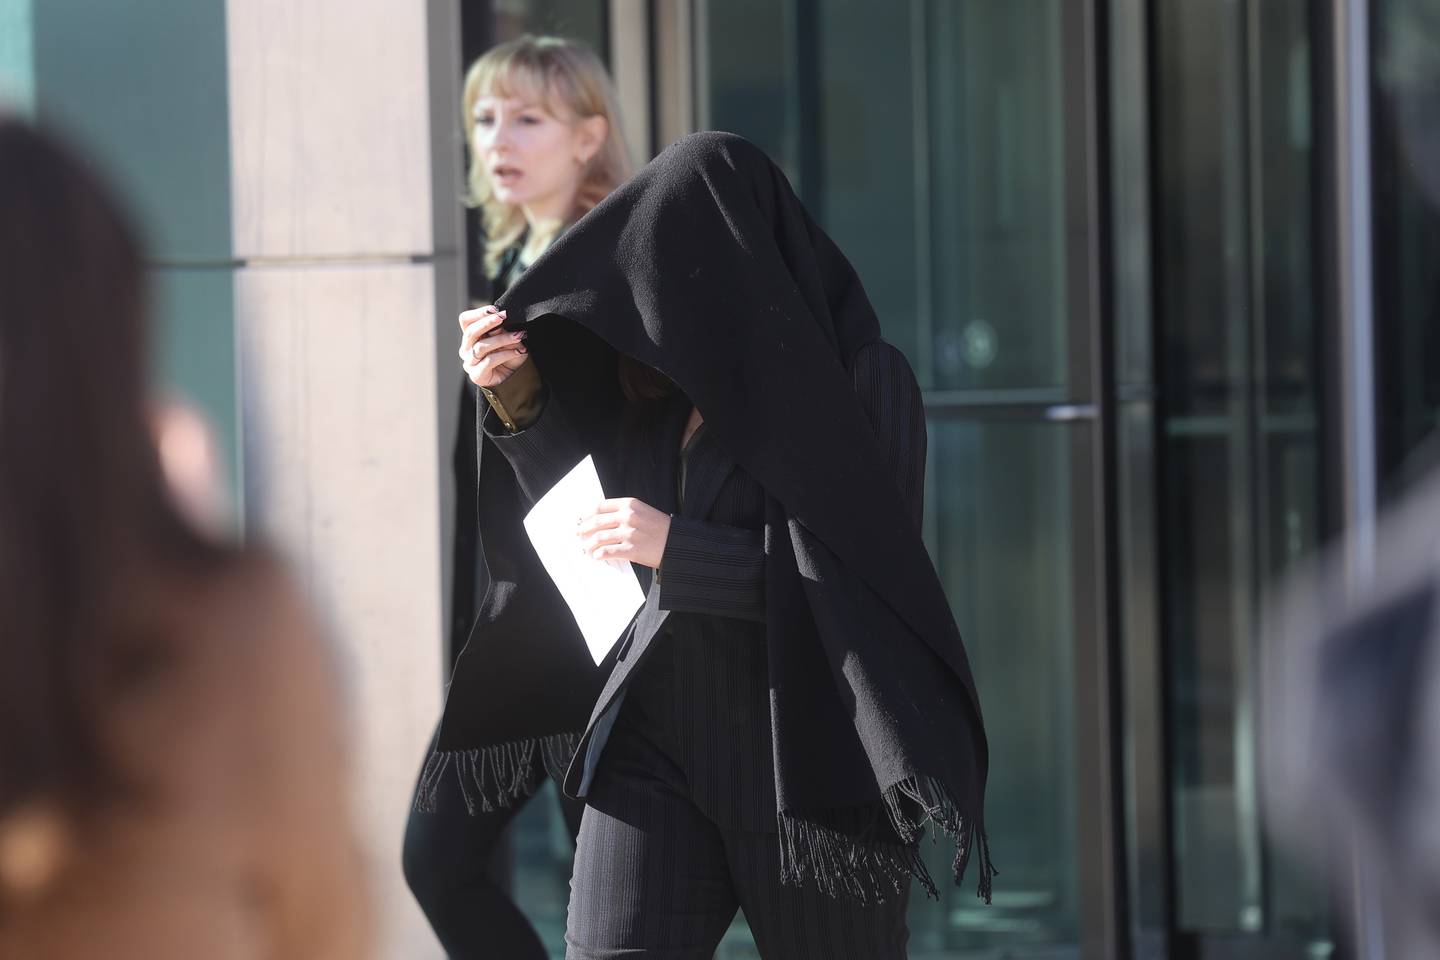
x: 602, y: 594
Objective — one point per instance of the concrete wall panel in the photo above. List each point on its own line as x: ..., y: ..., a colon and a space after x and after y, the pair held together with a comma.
x: 338, y: 377
x: 330, y: 116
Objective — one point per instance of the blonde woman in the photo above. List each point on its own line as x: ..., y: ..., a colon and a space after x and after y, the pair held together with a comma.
x: 546, y: 145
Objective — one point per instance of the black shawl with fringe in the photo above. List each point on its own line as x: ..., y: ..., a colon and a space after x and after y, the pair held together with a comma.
x: 706, y: 267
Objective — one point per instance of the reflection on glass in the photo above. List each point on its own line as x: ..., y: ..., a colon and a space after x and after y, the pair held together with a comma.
x: 1407, y: 240
x: 941, y: 173
x: 576, y: 19
x: 929, y: 140
x: 542, y: 855
x: 747, y: 82
x: 1239, y: 478
x: 996, y: 205
x: 1000, y: 494
x: 868, y: 141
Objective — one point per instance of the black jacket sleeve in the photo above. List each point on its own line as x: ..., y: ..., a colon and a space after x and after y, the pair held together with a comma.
x: 541, y: 453
x: 713, y: 568
x: 719, y: 569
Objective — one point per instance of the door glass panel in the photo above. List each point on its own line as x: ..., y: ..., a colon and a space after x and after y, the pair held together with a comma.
x: 999, y: 504
x: 929, y: 140
x: 17, y: 54
x: 585, y: 20
x: 940, y: 172
x: 869, y: 144
x: 541, y: 853
x: 746, y: 81
x: 1407, y: 240
x: 1238, y: 442
x: 996, y: 204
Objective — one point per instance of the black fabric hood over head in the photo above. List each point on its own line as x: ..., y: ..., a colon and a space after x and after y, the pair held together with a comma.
x: 706, y: 267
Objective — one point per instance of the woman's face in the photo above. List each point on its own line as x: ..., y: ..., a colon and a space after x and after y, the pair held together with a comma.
x: 534, y: 158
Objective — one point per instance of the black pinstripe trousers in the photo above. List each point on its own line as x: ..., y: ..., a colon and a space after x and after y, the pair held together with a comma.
x: 656, y: 878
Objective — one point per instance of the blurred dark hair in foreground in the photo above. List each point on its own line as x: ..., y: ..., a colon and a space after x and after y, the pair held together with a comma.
x: 172, y: 774
x: 87, y: 527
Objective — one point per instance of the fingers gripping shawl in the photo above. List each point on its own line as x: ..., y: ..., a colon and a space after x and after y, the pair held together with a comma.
x: 706, y: 267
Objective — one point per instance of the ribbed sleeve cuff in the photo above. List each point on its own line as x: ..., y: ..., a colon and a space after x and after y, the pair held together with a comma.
x: 713, y: 568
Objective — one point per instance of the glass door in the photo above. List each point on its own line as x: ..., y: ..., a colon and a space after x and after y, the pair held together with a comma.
x: 1238, y: 444
x: 1407, y: 240
x: 1003, y: 344
x: 948, y: 149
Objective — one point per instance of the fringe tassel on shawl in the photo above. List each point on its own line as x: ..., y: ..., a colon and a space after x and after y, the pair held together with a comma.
x: 870, y: 871
x: 495, y: 776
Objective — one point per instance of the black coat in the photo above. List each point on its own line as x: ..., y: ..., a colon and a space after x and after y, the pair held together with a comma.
x: 706, y: 268
x: 467, y: 566
x: 707, y: 623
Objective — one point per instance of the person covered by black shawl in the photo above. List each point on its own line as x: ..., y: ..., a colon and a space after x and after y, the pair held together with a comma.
x: 705, y: 268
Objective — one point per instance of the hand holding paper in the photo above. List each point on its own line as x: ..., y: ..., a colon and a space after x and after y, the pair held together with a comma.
x: 603, y: 595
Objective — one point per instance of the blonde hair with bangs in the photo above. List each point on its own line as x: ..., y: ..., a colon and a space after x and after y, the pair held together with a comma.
x: 569, y: 80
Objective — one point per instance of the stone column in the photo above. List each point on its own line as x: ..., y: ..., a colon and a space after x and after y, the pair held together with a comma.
x: 346, y: 262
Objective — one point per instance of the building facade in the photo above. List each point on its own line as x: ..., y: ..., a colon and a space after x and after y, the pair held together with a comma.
x: 1123, y: 245
x: 1165, y: 270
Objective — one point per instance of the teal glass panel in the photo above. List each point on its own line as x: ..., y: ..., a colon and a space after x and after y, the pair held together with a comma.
x: 1000, y: 516
x: 143, y: 87
x: 1407, y: 239
x: 17, y: 56
x: 1239, y: 479
x: 928, y: 139
x: 141, y: 90
x: 586, y: 20
x: 996, y: 197
x: 194, y: 354
x: 543, y: 854
x: 747, y: 76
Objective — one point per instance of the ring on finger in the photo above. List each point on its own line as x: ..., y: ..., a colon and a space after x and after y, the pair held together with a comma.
x: 475, y: 351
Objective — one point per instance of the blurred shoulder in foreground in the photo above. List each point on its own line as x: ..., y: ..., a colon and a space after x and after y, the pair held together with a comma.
x: 231, y: 836
x: 1351, y: 722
